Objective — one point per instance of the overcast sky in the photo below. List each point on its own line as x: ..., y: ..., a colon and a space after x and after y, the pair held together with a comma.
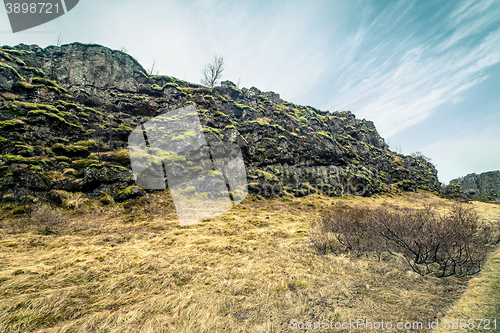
x: 426, y: 72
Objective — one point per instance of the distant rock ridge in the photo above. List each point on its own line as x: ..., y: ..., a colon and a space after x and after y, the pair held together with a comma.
x: 484, y: 186
x: 66, y: 113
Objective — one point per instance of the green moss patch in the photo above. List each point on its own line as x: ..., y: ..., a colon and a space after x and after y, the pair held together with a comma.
x: 188, y: 135
x: 199, y: 90
x: 48, y: 83
x: 24, y: 150
x: 243, y: 107
x: 37, y: 113
x: 327, y: 135
x: 13, y: 159
x: 130, y: 192
x: 278, y: 127
x: 261, y: 121
x: 123, y: 128
x: 70, y: 150
x: 15, y: 52
x: 212, y: 130
x: 170, y: 85
x: 121, y: 156
x: 87, y: 109
x: 36, y: 71
x: 11, y: 124
x: 8, y: 67
x: 35, y: 106
x: 196, y: 169
x: 68, y: 105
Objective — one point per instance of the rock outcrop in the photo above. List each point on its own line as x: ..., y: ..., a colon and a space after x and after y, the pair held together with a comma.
x: 66, y: 113
x: 485, y: 186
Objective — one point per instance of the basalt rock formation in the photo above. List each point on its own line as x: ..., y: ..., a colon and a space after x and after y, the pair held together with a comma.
x: 66, y: 113
x: 485, y: 186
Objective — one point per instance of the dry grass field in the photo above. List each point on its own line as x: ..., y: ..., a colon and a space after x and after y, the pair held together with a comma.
x: 131, y: 267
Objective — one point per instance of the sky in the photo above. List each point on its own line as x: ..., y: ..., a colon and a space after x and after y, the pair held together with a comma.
x: 427, y: 73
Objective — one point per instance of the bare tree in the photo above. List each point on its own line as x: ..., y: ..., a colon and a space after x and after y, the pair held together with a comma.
x: 59, y: 40
x: 153, y: 70
x: 212, y: 73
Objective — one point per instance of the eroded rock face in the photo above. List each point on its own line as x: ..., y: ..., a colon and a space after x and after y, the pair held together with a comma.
x: 485, y: 186
x: 86, y: 65
x: 66, y: 113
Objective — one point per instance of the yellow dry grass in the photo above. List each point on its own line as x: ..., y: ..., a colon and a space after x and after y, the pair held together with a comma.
x: 132, y: 268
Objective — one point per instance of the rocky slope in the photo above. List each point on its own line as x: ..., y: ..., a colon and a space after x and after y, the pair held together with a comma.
x: 66, y: 113
x: 485, y: 186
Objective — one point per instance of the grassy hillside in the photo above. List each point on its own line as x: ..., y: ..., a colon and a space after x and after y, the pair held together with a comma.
x: 130, y: 267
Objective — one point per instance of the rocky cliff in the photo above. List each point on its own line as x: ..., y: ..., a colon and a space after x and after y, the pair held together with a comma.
x: 485, y: 186
x: 66, y: 113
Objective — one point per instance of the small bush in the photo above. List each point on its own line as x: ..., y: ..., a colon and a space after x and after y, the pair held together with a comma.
x: 444, y: 245
x: 46, y: 218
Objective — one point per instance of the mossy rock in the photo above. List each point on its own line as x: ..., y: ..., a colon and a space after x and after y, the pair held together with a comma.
x: 58, y: 197
x: 36, y: 168
x: 48, y: 83
x: 188, y: 135
x: 11, y: 159
x: 220, y: 114
x: 24, y: 150
x: 189, y: 190
x: 62, y: 159
x: 131, y: 192
x: 95, y: 174
x: 324, y: 134
x: 4, y: 66
x: 170, y: 85
x: 68, y: 105
x: 71, y: 150
x: 196, y: 169
x: 121, y: 156
x: 11, y: 124
x: 65, y: 199
x: 36, y: 71
x: 107, y: 199
x: 407, y: 185
x: 123, y: 128
x: 34, y: 106
x: 37, y: 114
x: 301, y: 193
x: 8, y: 179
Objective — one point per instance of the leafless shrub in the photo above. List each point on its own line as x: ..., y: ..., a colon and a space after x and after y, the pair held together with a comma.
x: 350, y: 229
x: 153, y: 70
x: 47, y: 218
x: 445, y: 245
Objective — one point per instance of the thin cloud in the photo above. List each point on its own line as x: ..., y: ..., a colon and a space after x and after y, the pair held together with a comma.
x: 417, y: 76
